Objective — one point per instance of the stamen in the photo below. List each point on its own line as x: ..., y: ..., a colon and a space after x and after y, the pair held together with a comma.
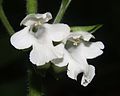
x: 75, y: 41
x: 36, y: 26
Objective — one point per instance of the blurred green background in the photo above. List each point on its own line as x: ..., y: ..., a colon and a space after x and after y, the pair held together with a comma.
x: 13, y: 62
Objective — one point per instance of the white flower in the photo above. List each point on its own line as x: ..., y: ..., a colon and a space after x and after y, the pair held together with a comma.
x: 40, y: 35
x: 76, y: 52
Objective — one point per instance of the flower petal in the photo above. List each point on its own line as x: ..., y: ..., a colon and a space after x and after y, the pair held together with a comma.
x: 92, y: 50
x: 57, y: 32
x: 22, y: 39
x: 59, y: 50
x: 88, y: 49
x: 42, y: 54
x: 86, y: 35
x: 75, y: 67
x: 88, y: 76
x: 60, y: 62
x: 80, y: 34
x: 31, y: 19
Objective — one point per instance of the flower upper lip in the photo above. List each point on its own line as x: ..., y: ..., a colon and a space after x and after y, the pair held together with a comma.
x: 32, y: 19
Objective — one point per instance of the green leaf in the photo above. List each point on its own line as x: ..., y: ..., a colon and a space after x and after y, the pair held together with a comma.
x: 63, y: 8
x: 90, y: 29
x: 5, y: 21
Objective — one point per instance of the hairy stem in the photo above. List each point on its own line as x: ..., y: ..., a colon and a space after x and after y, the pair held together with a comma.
x: 31, y: 6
